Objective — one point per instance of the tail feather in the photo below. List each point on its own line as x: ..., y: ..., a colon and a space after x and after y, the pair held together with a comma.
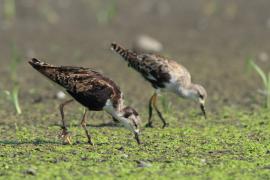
x: 47, y: 70
x: 125, y: 53
x: 37, y: 63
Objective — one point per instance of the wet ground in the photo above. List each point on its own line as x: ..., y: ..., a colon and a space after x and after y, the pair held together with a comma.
x: 211, y: 38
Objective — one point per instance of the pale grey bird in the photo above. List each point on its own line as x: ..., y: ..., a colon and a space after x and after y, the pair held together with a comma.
x: 164, y: 75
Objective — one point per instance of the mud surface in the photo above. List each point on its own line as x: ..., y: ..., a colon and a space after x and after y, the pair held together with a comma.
x: 211, y: 38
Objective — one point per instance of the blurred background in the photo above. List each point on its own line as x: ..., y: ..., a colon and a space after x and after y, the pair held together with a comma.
x: 211, y: 38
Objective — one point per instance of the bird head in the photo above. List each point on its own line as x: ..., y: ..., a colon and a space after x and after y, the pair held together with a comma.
x: 131, y: 120
x: 199, y: 94
x: 201, y: 97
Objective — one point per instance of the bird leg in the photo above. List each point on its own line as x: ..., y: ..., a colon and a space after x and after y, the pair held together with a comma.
x: 136, y: 135
x: 64, y: 133
x: 115, y: 120
x: 150, y: 108
x: 159, y: 113
x: 83, y: 124
x: 203, y: 111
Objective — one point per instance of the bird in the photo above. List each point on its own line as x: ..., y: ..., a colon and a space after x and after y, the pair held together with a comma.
x: 164, y: 75
x: 93, y: 91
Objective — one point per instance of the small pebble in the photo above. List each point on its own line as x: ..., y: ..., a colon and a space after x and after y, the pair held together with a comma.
x: 146, y: 44
x: 143, y: 164
x: 84, y: 158
x: 31, y: 171
x: 263, y: 56
x: 125, y: 155
x: 60, y: 95
x: 203, y: 161
x: 121, y: 148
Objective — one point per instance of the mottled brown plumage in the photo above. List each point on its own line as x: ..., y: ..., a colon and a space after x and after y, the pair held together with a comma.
x: 154, y: 68
x: 91, y: 89
x: 88, y: 87
x: 164, y: 75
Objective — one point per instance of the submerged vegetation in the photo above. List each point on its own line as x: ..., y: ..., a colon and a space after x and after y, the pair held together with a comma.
x: 230, y: 145
x: 209, y: 38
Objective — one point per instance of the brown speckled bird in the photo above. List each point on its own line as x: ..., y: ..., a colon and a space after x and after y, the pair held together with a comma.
x: 92, y: 90
x: 164, y: 75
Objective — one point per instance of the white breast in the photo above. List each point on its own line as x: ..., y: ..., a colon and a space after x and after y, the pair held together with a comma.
x: 173, y: 85
x: 110, y: 109
x: 113, y: 112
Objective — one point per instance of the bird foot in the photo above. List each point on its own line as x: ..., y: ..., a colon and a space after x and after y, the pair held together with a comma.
x: 90, y: 142
x: 64, y: 135
x: 149, y: 125
x: 165, y: 125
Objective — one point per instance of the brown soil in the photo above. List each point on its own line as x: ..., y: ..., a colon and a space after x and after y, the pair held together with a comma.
x: 211, y: 38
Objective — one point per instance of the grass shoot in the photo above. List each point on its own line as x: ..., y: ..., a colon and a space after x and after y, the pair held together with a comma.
x: 265, y: 79
x: 13, y: 94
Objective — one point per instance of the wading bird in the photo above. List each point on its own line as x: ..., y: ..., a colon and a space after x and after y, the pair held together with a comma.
x: 164, y: 75
x: 92, y: 90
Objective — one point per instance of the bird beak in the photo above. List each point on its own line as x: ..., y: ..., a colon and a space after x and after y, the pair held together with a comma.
x: 137, y: 137
x: 203, y: 108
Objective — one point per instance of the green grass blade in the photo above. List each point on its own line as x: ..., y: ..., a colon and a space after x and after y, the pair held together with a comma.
x: 15, y: 61
x: 7, y: 93
x: 268, y: 92
x: 259, y: 71
x: 248, y: 66
x: 9, y: 9
x: 15, y: 99
x: 106, y: 15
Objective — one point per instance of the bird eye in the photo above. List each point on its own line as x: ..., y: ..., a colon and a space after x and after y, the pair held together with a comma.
x: 201, y: 96
x: 127, y: 115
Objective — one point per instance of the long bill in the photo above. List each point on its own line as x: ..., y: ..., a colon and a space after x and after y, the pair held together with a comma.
x: 203, y: 110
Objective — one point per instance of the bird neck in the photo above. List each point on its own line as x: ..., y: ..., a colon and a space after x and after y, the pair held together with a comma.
x: 110, y: 109
x: 187, y: 92
x: 119, y: 116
